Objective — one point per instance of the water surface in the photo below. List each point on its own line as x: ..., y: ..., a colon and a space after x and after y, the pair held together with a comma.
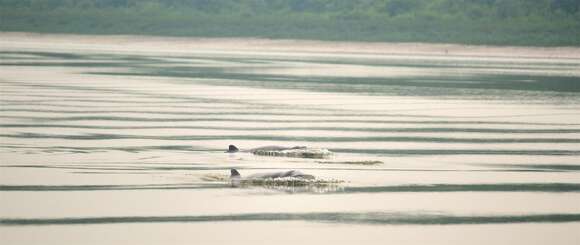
x: 102, y: 146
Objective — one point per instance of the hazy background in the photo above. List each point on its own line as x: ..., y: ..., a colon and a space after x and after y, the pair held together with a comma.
x: 503, y: 22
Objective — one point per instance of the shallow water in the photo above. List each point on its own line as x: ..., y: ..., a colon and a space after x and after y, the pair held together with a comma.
x: 101, y: 146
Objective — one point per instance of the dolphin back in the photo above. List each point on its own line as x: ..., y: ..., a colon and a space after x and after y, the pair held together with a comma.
x: 282, y: 174
x: 296, y: 151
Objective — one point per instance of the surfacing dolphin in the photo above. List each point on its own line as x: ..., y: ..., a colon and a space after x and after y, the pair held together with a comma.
x: 272, y: 175
x: 296, y: 151
x: 237, y: 180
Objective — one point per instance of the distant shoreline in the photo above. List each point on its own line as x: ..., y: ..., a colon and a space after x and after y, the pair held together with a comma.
x: 185, y: 45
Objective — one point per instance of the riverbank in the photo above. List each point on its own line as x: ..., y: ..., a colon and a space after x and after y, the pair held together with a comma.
x: 168, y: 45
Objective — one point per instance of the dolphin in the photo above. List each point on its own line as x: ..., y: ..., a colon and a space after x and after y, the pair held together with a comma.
x: 291, y: 181
x: 233, y: 148
x: 296, y: 151
x: 271, y: 175
x: 236, y: 179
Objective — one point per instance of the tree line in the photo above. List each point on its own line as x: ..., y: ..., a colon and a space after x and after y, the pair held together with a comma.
x: 502, y: 22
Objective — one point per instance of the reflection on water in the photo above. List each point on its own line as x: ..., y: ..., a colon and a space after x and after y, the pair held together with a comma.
x: 108, y: 138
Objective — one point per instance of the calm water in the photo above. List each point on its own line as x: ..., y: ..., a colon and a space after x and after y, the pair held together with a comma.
x: 101, y: 146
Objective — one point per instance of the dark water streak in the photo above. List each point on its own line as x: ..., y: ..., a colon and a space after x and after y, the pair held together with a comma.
x: 219, y: 119
x: 372, y: 218
x: 447, y: 140
x: 317, y: 128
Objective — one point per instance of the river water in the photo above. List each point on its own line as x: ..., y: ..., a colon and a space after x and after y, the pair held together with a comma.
x: 111, y: 144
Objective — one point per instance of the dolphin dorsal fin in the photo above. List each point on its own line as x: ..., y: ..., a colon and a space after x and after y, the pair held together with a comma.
x: 235, y: 173
x: 233, y: 148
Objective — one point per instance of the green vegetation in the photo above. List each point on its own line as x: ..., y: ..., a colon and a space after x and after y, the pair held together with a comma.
x: 498, y: 22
